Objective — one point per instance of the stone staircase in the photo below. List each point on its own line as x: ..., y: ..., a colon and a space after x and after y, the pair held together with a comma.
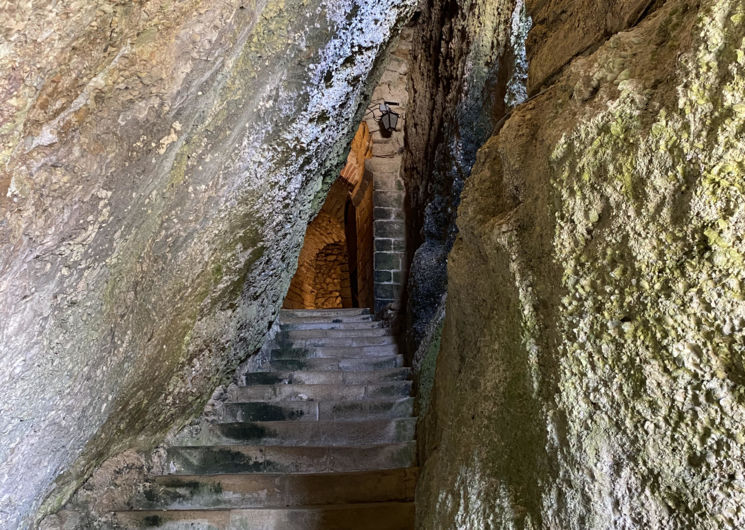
x: 322, y: 437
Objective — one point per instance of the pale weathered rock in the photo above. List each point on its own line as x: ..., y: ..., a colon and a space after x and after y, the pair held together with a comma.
x: 592, y: 363
x: 159, y: 162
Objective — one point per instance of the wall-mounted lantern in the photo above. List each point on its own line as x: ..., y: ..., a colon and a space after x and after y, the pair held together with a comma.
x: 388, y: 119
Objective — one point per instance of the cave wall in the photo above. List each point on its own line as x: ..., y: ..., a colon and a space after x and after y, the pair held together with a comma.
x: 159, y: 162
x: 590, y: 373
x: 467, y: 70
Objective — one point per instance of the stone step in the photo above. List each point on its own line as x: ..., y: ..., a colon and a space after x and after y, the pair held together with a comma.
x: 335, y: 342
x: 267, y: 490
x: 335, y: 318
x: 344, y: 364
x: 327, y: 377
x: 326, y: 314
x: 300, y: 334
x: 328, y: 325
x: 316, y: 410
x: 390, y: 389
x: 321, y: 352
x: 341, y: 319
x: 373, y: 516
x: 302, y: 433
x: 282, y: 459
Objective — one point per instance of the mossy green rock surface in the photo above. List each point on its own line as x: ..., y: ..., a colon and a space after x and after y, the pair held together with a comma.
x: 592, y: 366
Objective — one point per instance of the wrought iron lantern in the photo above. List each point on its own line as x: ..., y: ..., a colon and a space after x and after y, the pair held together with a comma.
x: 388, y: 119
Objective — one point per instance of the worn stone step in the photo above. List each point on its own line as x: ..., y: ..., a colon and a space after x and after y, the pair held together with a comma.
x: 326, y: 314
x: 327, y: 325
x: 301, y: 334
x: 327, y: 377
x: 344, y: 364
x: 341, y: 319
x: 257, y: 490
x: 321, y: 352
x: 338, y: 317
x: 208, y: 460
x: 372, y: 516
x: 317, y: 410
x: 302, y: 433
x: 335, y: 392
x: 333, y: 315
x: 334, y: 342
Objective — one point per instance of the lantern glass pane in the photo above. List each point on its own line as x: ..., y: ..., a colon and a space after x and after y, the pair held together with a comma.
x: 393, y: 121
x: 386, y: 121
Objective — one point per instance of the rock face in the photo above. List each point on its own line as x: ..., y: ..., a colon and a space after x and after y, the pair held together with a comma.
x: 159, y: 163
x: 593, y: 354
x: 465, y: 75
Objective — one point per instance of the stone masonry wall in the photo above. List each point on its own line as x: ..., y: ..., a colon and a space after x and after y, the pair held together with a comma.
x: 331, y: 278
x: 385, y: 167
x: 325, y: 232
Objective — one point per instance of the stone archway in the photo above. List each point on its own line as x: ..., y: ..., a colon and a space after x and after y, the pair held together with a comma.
x: 335, y: 266
x: 364, y: 210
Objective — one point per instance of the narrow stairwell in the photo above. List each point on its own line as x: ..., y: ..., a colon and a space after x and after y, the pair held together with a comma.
x: 322, y: 437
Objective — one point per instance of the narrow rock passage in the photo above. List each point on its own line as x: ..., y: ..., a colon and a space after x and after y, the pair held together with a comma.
x: 320, y: 438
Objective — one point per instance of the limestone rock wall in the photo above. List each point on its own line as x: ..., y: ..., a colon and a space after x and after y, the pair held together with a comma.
x: 592, y: 360
x: 462, y: 81
x: 159, y: 162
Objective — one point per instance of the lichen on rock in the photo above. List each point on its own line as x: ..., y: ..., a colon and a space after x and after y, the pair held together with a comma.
x: 593, y: 354
x: 159, y: 162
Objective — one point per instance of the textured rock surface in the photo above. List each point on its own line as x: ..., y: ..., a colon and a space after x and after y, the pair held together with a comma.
x: 593, y: 356
x: 465, y: 75
x: 563, y: 30
x: 159, y: 162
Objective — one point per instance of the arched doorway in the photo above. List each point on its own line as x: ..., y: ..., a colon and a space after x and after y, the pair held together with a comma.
x: 335, y: 267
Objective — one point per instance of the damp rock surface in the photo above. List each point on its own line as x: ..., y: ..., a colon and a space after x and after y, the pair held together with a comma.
x: 467, y: 71
x: 592, y: 359
x: 159, y: 162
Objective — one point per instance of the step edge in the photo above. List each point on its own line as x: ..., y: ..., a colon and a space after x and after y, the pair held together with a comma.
x: 414, y: 470
x: 345, y: 401
x: 300, y: 507
x: 307, y: 422
x: 239, y: 446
